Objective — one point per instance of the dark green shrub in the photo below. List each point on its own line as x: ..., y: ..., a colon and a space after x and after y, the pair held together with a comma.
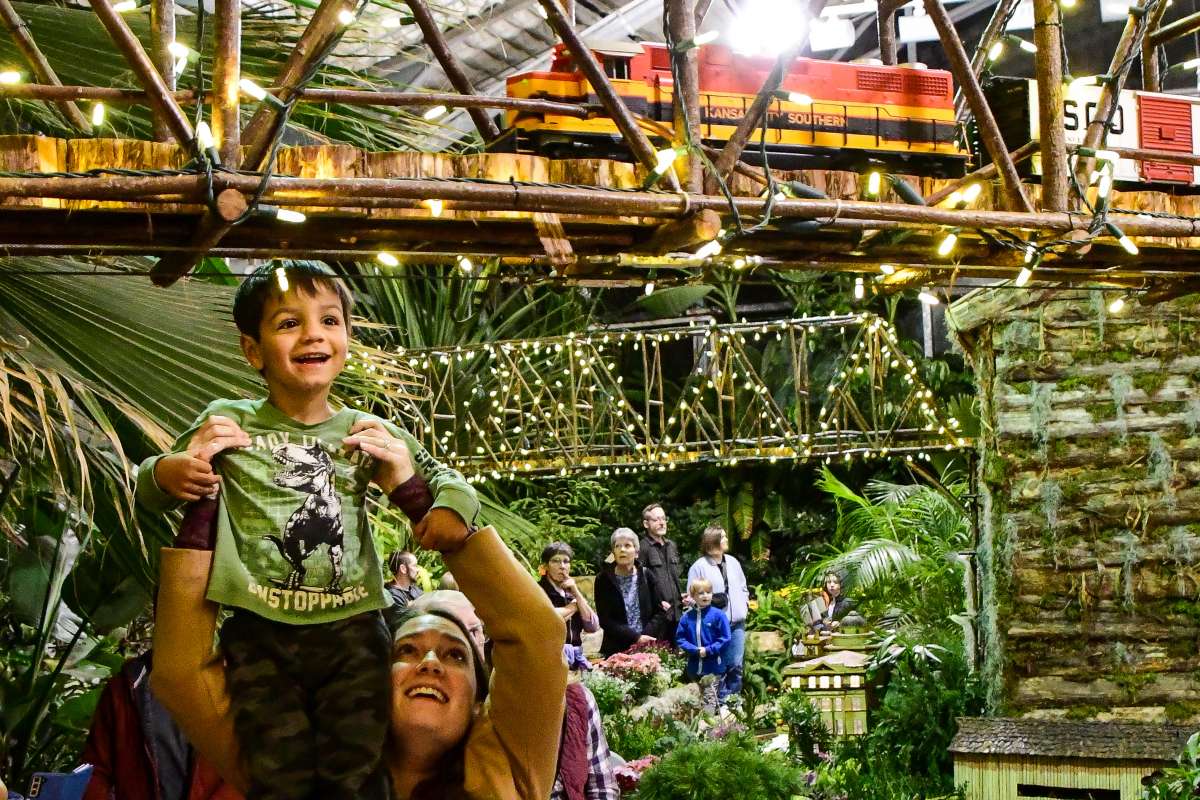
x: 807, y: 735
x: 732, y: 767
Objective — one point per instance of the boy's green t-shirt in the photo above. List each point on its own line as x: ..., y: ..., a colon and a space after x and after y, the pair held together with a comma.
x: 293, y: 540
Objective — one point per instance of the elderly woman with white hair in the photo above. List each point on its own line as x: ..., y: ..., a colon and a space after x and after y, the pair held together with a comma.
x: 623, y: 597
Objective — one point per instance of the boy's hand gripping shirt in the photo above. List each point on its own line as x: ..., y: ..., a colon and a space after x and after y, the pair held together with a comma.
x: 293, y: 541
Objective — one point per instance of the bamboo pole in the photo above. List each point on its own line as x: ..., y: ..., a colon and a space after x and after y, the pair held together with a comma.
x: 319, y: 36
x: 227, y: 72
x: 353, y: 97
x: 1010, y: 184
x: 1151, y: 79
x: 642, y: 150
x: 458, y: 79
x: 885, y: 21
x: 1143, y: 154
x: 157, y: 94
x: 1178, y: 28
x: 1097, y: 130
x: 702, y: 7
x: 994, y: 29
x: 686, y: 92
x: 39, y: 65
x: 162, y: 34
x: 1047, y: 36
x: 732, y: 151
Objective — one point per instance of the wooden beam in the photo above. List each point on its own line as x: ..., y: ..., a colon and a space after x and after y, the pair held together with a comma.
x: 1010, y: 184
x: 321, y: 34
x: 162, y: 34
x: 227, y: 72
x: 886, y: 22
x: 352, y: 97
x: 1151, y: 79
x: 681, y: 20
x: 637, y: 142
x: 1097, y: 131
x: 458, y: 79
x: 1169, y: 156
x: 984, y: 173
x: 993, y: 31
x: 1178, y: 28
x: 162, y: 104
x: 732, y: 151
x: 702, y: 7
x: 1047, y: 36
x: 39, y: 65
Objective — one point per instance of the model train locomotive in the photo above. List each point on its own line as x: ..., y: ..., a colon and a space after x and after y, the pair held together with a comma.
x: 836, y: 115
x: 827, y: 114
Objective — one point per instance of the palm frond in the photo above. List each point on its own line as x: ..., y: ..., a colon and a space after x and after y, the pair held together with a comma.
x: 873, y: 561
x: 828, y: 482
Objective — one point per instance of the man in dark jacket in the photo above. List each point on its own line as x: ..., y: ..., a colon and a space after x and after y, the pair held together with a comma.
x: 659, y: 557
x: 137, y: 752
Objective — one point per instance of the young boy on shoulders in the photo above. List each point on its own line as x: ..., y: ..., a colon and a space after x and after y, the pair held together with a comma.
x: 307, y: 652
x: 702, y: 634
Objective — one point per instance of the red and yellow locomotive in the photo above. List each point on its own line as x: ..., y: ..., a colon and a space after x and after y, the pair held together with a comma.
x: 828, y: 114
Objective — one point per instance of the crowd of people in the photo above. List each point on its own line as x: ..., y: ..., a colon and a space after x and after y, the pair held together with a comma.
x: 327, y: 682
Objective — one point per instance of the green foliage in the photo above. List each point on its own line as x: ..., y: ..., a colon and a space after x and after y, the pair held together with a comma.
x: 731, y: 767
x: 650, y: 735
x: 1182, y: 781
x: 807, y: 735
x: 612, y: 693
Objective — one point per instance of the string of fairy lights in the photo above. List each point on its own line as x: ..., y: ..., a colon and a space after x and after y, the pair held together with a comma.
x: 606, y: 402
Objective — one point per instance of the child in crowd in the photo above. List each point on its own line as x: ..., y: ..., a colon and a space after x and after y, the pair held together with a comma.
x: 306, y: 649
x: 702, y: 634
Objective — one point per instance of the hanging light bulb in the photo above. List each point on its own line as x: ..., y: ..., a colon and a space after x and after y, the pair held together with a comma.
x: 252, y: 89
x: 947, y: 244
x: 649, y: 290
x: 1105, y: 186
x: 1117, y: 305
x: 799, y: 98
x: 665, y: 158
x: 887, y: 269
x: 434, y: 113
x: 928, y: 298
x: 435, y: 206
x: 465, y: 264
x: 204, y: 136
x: 708, y: 37
x: 996, y: 50
x: 1122, y: 239
x: 1023, y: 276
x: 874, y: 183
x: 346, y: 16
x: 290, y: 215
x: 281, y: 278
x: 98, y: 115
x: 387, y: 259
x: 1067, y: 3
x: 1030, y: 252
x: 709, y: 250
x: 178, y: 49
x: 972, y: 192
x: 860, y: 291
x: 10, y: 76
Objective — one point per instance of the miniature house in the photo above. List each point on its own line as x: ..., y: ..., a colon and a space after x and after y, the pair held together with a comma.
x: 1007, y: 759
x: 836, y: 684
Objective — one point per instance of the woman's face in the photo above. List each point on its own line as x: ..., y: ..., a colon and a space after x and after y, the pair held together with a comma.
x: 558, y: 568
x: 433, y: 681
x: 833, y: 585
x: 625, y: 552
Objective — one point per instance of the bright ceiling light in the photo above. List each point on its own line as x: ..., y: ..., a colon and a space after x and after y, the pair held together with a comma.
x: 768, y: 27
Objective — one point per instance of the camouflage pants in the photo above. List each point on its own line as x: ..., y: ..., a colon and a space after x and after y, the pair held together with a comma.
x: 311, y: 705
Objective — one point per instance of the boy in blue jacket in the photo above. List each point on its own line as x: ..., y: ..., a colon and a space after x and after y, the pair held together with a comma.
x: 702, y: 634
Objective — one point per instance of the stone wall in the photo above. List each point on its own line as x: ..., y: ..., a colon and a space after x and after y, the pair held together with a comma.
x: 1089, y: 477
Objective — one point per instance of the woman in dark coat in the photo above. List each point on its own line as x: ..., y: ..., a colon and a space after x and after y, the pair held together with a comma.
x: 623, y: 597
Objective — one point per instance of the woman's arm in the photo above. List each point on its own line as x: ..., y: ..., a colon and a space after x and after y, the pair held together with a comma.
x: 188, y: 677
x: 512, y: 750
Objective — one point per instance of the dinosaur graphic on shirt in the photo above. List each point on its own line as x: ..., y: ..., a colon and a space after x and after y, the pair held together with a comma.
x: 318, y: 521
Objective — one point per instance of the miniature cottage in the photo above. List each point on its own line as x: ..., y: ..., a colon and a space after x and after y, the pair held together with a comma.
x: 836, y: 684
x: 1006, y: 759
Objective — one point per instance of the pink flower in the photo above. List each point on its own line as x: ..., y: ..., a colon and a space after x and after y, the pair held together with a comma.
x: 629, y: 774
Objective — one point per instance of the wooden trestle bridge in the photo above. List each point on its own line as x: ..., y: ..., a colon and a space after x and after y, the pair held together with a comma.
x: 622, y: 400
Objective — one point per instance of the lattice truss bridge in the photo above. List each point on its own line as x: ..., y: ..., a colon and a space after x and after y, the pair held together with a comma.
x: 618, y: 401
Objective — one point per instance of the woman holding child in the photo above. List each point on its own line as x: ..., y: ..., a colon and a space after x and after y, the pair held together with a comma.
x: 731, y: 594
